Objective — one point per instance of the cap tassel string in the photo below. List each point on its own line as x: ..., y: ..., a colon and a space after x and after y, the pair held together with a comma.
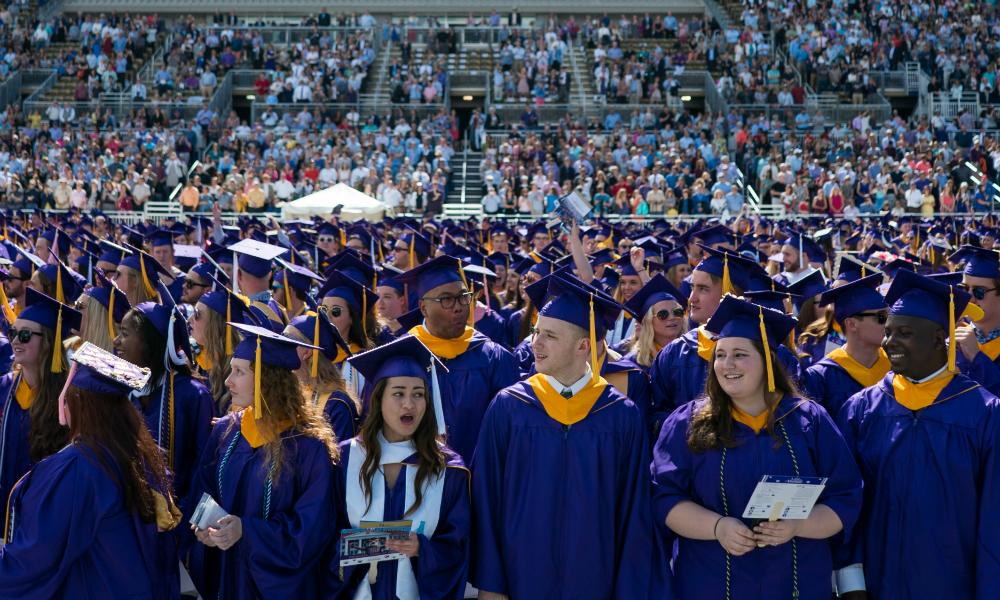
x: 314, y: 367
x: 57, y: 366
x: 111, y: 313
x: 594, y: 373
x: 767, y: 352
x: 258, y: 367
x: 727, y: 284
x: 951, y: 330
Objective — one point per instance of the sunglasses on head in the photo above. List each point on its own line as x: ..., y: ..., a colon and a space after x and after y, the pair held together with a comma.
x: 880, y: 317
x: 21, y: 335
x: 665, y: 314
x: 978, y: 292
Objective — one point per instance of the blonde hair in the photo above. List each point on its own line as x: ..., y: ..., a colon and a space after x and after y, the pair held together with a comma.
x: 94, y: 327
x: 137, y: 293
x: 643, y: 341
x: 328, y: 378
x: 215, y: 348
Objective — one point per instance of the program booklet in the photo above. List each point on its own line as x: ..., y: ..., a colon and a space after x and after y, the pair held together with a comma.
x: 367, y: 544
x: 207, y: 513
x: 778, y: 497
x: 571, y: 208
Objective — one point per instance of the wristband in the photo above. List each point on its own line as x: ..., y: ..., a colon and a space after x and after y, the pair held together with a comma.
x: 715, y: 529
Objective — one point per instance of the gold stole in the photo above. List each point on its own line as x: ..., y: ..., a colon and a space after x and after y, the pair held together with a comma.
x: 706, y: 345
x: 24, y: 395
x: 756, y: 423
x: 256, y: 436
x: 443, y: 348
x: 991, y: 348
x: 916, y: 396
x: 567, y: 411
x: 865, y: 376
x: 204, y: 362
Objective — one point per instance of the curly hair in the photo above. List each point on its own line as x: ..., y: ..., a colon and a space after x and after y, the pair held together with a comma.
x: 712, y: 422
x: 425, y: 438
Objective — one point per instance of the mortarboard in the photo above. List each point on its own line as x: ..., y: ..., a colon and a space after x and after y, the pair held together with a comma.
x: 113, y: 300
x: 262, y: 346
x: 51, y: 314
x: 318, y: 328
x: 94, y: 369
x: 858, y: 296
x: 979, y: 262
x: 733, y: 269
x: 657, y: 289
x: 255, y: 257
x: 737, y: 317
x: 232, y: 307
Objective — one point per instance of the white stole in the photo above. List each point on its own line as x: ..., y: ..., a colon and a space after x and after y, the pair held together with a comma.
x: 620, y: 332
x: 424, y: 519
x: 353, y: 380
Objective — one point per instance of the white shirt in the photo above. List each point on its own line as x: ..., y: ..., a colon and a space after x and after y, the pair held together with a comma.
x: 576, y: 387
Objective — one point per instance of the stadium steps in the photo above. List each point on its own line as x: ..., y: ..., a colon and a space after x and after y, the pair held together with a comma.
x: 466, y: 176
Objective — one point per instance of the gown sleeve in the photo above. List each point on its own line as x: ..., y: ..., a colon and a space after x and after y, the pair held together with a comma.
x: 835, y: 461
x: 287, y: 540
x: 988, y: 546
x: 985, y: 372
x: 59, y: 527
x: 340, y: 417
x: 662, y: 383
x: 503, y: 369
x: 489, y: 466
x: 442, y: 566
x: 672, y: 467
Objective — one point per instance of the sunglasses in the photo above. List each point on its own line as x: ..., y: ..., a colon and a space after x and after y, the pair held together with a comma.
x: 189, y: 284
x: 880, y: 317
x: 323, y: 239
x: 334, y: 311
x: 21, y: 335
x: 978, y: 292
x: 665, y: 314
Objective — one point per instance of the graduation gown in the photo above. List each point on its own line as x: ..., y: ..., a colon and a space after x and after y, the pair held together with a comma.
x: 288, y: 526
x: 442, y: 565
x: 983, y: 368
x: 562, y: 511
x: 342, y: 415
x: 15, y: 425
x: 193, y: 413
x: 513, y: 337
x: 493, y: 326
x: 6, y: 354
x: 678, y: 373
x: 930, y: 527
x: 680, y: 474
x: 71, y: 537
x: 837, y: 377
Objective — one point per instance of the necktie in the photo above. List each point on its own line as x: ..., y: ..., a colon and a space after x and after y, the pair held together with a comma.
x: 567, y: 393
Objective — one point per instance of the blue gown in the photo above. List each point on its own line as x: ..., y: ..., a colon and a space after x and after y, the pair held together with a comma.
x: 678, y: 374
x: 6, y: 354
x: 15, y: 425
x: 493, y: 326
x: 679, y: 475
x: 442, y: 565
x: 72, y: 537
x: 830, y: 384
x: 563, y: 511
x: 193, y: 413
x: 342, y: 415
x: 286, y: 533
x: 514, y: 338
x: 930, y: 527
x: 983, y: 369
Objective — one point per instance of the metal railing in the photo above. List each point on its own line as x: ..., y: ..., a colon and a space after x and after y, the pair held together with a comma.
x: 294, y: 34
x: 33, y: 102
x: 10, y: 90
x: 258, y: 108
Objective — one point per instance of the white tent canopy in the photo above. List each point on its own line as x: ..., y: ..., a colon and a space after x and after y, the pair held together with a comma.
x: 354, y: 204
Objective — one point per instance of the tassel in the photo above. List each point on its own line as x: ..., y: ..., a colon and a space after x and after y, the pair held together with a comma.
x: 60, y: 293
x: 229, y: 330
x: 288, y: 293
x: 767, y: 352
x: 465, y: 282
x: 170, y: 417
x: 951, y: 329
x: 258, y: 367
x: 111, y: 314
x: 442, y: 428
x: 314, y: 368
x: 364, y: 312
x: 727, y: 284
x: 343, y: 238
x: 413, y: 240
x: 145, y: 279
x: 8, y: 312
x: 594, y: 373
x: 57, y: 366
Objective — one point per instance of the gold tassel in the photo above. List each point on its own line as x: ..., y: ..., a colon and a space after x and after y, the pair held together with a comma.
x: 60, y: 293
x: 8, y: 312
x: 258, y: 367
x: 343, y: 237
x: 727, y: 284
x: 364, y: 312
x: 413, y: 240
x: 594, y: 372
x: 951, y: 329
x: 111, y: 313
x: 229, y: 330
x: 314, y: 369
x: 57, y: 347
x: 288, y: 294
x: 767, y: 352
x: 465, y: 282
x: 145, y: 278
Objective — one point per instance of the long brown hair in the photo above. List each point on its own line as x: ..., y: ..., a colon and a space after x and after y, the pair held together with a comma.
x: 113, y: 430
x: 328, y: 378
x: 215, y: 349
x: 425, y: 439
x: 47, y: 436
x: 712, y: 423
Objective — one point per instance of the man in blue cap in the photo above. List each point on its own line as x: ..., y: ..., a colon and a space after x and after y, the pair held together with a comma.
x: 798, y: 253
x: 477, y: 367
x: 926, y: 438
x: 861, y: 312
x: 980, y: 340
x: 574, y: 437
x: 253, y: 279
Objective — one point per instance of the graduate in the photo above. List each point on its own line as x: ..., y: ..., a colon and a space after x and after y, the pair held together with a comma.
x: 926, y: 438
x: 632, y: 276
x: 29, y: 424
x: 397, y: 468
x: 580, y: 445
x: 477, y: 367
x: 392, y: 303
x: 712, y: 452
x: 350, y: 306
x: 200, y: 280
x: 270, y: 466
x: 216, y: 340
x: 678, y: 374
x: 860, y: 311
x: 253, y: 279
x: 293, y: 284
x: 102, y: 309
x: 661, y: 319
x: 85, y: 522
x: 137, y: 275
x: 319, y: 375
x: 978, y: 340
x: 176, y: 407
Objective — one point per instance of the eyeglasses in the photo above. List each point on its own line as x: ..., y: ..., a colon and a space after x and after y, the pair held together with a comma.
x: 448, y: 302
x: 880, y: 317
x: 978, y: 292
x: 21, y: 335
x: 326, y: 239
x: 665, y: 314
x: 189, y: 283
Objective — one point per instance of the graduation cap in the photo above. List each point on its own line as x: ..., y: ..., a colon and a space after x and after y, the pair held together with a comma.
x: 262, y: 346
x: 255, y: 257
x: 418, y: 246
x: 112, y: 253
x: 186, y: 255
x: 94, y: 369
x: 359, y: 297
x: 436, y: 272
x: 893, y: 267
x: 808, y: 285
x: 733, y: 269
x: 913, y: 295
x: 149, y: 270
x: 773, y: 299
x: 231, y: 306
x: 296, y: 277
x: 610, y: 280
x: 158, y: 238
x: 533, y: 264
x: 805, y: 246
x: 737, y: 317
x: 657, y: 289
x: 849, y: 268
x: 406, y: 356
x: 68, y: 283
x: 954, y: 278
x: 410, y: 319
x: 856, y: 297
x: 979, y: 262
x: 716, y: 234
x: 58, y: 240
x: 113, y: 300
x: 350, y: 265
x: 316, y: 326
x: 51, y: 314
